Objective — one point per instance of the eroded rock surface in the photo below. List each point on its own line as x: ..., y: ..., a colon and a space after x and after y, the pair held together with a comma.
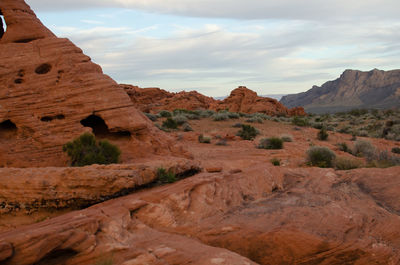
x: 263, y: 215
x: 50, y: 93
x: 57, y: 188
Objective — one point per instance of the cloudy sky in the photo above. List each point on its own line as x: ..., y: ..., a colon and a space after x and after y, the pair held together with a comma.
x: 272, y: 47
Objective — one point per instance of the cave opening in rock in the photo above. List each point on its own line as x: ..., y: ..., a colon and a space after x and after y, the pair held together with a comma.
x: 56, y: 257
x: 100, y: 128
x: 3, y: 25
x: 8, y: 129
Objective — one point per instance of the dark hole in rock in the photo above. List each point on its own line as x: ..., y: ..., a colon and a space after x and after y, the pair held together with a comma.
x: 8, y: 129
x: 43, y: 69
x: 19, y: 81
x: 8, y: 125
x: 50, y: 118
x: 24, y: 40
x: 3, y: 25
x: 100, y: 128
x: 57, y: 257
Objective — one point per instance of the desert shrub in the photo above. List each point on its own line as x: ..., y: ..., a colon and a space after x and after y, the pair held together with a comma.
x: 346, y: 163
x: 271, y: 143
x: 320, y: 156
x: 255, y: 119
x: 300, y: 121
x: 220, y: 116
x: 193, y: 116
x: 345, y: 129
x: 206, y: 113
x: 170, y: 123
x: 260, y: 115
x: 152, y: 117
x: 165, y: 114
x: 85, y: 150
x: 317, y: 125
x: 186, y: 127
x: 275, y: 161
x: 287, y: 138
x: 203, y: 139
x: 164, y: 176
x: 233, y: 115
x: 237, y: 125
x: 322, y: 135
x: 222, y: 142
x: 396, y: 150
x: 363, y: 148
x: 247, y: 132
x: 180, y: 119
x: 344, y: 147
x: 383, y: 159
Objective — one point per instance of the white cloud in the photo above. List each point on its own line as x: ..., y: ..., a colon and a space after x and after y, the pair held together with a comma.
x: 250, y: 9
x: 271, y: 46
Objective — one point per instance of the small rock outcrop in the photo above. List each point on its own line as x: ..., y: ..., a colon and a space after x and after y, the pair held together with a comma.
x: 50, y: 93
x: 353, y: 89
x: 245, y: 100
x: 156, y: 99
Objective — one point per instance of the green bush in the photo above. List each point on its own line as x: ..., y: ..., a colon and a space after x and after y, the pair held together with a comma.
x: 220, y: 116
x: 300, y: 121
x: 170, y: 124
x: 180, y: 119
x: 233, y: 115
x: 84, y: 150
x: 247, y: 132
x: 164, y: 176
x: 345, y: 163
x: 320, y: 156
x: 152, y: 117
x: 344, y: 147
x: 186, y: 127
x: 165, y: 114
x: 255, y: 119
x: 322, y: 135
x: 364, y: 148
x: 275, y: 161
x: 271, y: 143
x: 204, y: 140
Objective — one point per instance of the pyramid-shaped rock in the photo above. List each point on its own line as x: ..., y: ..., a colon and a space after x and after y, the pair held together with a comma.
x: 50, y: 93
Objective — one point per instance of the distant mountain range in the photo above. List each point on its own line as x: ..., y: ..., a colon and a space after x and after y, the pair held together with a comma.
x: 353, y: 89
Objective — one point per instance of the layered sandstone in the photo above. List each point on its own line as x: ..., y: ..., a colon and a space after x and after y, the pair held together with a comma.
x: 50, y: 93
x: 262, y: 215
x: 55, y: 188
x: 241, y: 99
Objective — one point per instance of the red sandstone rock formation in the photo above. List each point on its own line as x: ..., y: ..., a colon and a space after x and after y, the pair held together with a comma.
x: 31, y: 189
x: 245, y: 100
x: 264, y: 214
x: 50, y: 92
x: 155, y: 99
x: 240, y: 100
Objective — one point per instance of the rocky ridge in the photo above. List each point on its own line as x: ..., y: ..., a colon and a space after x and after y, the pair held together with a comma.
x: 241, y: 99
x: 353, y: 89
